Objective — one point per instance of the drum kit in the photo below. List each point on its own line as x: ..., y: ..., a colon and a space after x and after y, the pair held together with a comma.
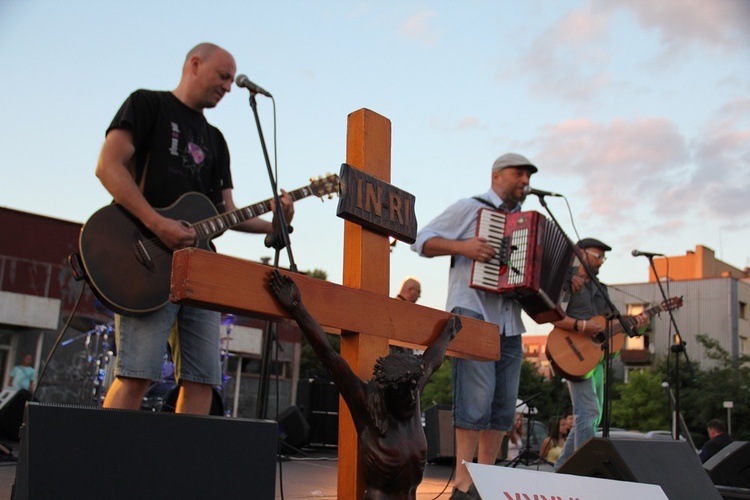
x: 97, y: 364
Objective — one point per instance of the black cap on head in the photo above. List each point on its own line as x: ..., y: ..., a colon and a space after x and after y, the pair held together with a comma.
x: 594, y: 243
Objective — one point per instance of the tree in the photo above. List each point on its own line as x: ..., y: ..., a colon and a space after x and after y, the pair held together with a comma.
x: 439, y: 390
x: 642, y: 403
x: 728, y: 381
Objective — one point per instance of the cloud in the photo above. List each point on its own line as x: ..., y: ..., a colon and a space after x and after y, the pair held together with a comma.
x: 417, y: 27
x: 572, y: 59
x: 620, y: 164
x: 722, y: 158
x: 646, y: 169
x: 681, y: 23
x: 567, y: 60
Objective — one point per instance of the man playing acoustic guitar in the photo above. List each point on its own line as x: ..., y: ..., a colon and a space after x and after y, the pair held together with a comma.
x: 587, y: 302
x: 158, y: 147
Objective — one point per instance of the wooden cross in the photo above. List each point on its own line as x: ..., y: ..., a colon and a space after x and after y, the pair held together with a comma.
x: 359, y: 309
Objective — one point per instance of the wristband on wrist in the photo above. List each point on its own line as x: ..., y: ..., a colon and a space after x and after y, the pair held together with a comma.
x: 575, y: 326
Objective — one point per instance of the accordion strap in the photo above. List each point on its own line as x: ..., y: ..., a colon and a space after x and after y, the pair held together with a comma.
x: 482, y: 200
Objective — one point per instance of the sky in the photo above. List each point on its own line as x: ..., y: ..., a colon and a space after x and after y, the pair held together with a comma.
x: 637, y: 111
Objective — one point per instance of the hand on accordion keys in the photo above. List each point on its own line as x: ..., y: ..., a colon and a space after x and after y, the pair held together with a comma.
x: 479, y: 249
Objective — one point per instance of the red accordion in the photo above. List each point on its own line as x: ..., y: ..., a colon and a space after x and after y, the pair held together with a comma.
x: 532, y: 258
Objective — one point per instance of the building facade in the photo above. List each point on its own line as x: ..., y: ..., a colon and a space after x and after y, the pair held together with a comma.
x: 715, y: 299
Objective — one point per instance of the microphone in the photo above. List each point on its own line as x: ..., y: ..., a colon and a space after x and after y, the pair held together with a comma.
x: 244, y: 81
x: 638, y: 253
x: 530, y: 190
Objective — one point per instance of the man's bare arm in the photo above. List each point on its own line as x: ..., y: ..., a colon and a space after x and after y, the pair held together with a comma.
x: 113, y: 172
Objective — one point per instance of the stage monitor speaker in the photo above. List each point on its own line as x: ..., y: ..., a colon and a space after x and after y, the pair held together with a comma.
x: 438, y: 429
x: 12, y: 403
x: 673, y: 465
x: 89, y: 452
x: 293, y: 428
x: 319, y: 402
x: 731, y: 465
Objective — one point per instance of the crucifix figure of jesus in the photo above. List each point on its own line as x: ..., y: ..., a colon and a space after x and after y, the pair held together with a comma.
x: 385, y: 409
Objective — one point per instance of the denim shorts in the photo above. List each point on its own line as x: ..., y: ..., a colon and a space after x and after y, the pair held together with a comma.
x: 192, y: 334
x: 485, y: 392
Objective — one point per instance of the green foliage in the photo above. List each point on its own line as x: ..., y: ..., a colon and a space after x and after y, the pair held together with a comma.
x: 318, y: 274
x: 550, y: 396
x: 641, y: 404
x: 439, y: 389
x: 703, y: 398
x: 309, y: 364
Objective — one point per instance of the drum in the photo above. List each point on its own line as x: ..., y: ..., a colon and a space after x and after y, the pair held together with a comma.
x: 162, y: 397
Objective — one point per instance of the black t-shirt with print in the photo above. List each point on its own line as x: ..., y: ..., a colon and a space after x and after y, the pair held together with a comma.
x: 176, y: 149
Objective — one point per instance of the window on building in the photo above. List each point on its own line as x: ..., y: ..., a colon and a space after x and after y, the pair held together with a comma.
x: 640, y: 342
x: 637, y: 343
x: 744, y: 345
x: 743, y: 310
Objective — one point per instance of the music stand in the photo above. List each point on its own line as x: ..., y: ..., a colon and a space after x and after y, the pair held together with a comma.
x: 525, y: 455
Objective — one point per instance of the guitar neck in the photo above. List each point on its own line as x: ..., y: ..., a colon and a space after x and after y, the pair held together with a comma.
x: 650, y: 312
x: 208, y: 228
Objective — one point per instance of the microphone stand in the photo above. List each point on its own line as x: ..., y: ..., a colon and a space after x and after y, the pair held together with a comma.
x: 269, y: 335
x: 610, y: 314
x: 677, y: 348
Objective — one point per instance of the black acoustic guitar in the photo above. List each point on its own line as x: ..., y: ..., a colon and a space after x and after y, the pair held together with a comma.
x: 129, y: 268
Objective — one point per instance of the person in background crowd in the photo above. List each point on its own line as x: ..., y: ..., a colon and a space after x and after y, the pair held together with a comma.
x: 410, y: 291
x: 717, y: 439
x: 553, y: 444
x: 23, y: 376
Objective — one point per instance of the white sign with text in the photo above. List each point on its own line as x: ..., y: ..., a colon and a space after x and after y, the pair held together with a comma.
x: 507, y: 483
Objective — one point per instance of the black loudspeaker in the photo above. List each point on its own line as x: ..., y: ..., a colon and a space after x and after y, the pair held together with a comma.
x: 319, y: 402
x: 89, y: 452
x: 12, y: 403
x: 438, y: 429
x: 293, y: 428
x: 673, y: 465
x: 731, y: 465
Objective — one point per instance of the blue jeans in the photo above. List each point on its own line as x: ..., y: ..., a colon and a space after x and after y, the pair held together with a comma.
x: 587, y: 396
x: 485, y: 392
x: 192, y: 333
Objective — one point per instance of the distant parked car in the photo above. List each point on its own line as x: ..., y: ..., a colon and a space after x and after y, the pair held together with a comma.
x: 618, y: 433
x: 665, y: 435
